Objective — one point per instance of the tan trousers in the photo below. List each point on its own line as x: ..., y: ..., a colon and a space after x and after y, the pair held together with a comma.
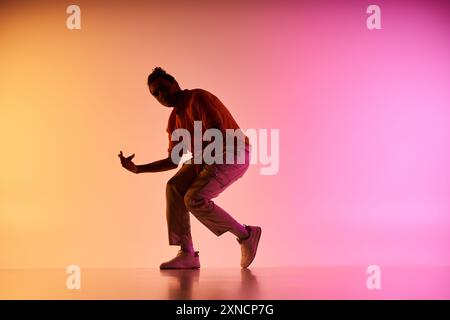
x: 188, y: 191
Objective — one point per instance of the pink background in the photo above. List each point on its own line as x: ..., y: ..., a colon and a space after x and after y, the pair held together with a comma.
x: 364, y: 120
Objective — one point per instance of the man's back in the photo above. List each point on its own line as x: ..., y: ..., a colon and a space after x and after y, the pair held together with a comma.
x: 201, y: 105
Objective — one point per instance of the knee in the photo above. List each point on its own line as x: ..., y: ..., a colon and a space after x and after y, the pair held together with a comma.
x: 193, y: 202
x: 171, y: 187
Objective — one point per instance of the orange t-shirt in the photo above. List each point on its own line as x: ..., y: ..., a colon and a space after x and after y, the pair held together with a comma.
x: 201, y: 105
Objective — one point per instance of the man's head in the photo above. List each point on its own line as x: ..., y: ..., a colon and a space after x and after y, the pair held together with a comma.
x: 163, y: 87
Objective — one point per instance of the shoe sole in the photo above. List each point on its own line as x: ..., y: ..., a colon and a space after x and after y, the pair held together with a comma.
x: 258, y: 236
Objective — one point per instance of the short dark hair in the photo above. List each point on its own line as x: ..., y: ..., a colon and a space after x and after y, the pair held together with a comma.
x: 157, y: 73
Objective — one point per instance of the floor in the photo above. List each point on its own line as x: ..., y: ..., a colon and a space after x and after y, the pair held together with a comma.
x: 227, y: 283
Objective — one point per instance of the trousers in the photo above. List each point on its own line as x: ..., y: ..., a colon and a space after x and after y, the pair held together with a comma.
x: 192, y: 191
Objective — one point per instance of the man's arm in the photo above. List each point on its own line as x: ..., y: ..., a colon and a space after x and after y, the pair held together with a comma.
x: 157, y: 166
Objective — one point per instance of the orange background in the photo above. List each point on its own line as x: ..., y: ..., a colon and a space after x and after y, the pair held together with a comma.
x: 363, y: 116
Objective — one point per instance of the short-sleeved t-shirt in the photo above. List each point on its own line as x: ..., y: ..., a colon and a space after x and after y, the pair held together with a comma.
x: 201, y: 105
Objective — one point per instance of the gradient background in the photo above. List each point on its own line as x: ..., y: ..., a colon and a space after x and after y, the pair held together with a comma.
x: 364, y: 119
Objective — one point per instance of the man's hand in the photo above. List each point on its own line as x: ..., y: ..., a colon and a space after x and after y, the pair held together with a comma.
x: 127, y: 162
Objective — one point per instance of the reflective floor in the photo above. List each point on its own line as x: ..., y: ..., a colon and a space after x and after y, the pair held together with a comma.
x: 227, y: 283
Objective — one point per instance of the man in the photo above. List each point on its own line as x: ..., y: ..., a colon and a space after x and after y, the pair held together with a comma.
x: 195, y: 184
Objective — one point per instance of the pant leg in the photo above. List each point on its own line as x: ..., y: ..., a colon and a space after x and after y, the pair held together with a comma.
x: 178, y: 223
x: 210, y: 182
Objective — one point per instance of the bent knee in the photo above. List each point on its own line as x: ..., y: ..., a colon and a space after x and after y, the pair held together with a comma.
x: 193, y: 201
x: 172, y: 187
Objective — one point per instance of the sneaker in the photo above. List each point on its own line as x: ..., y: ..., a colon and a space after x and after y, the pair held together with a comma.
x: 249, y: 245
x: 183, y: 260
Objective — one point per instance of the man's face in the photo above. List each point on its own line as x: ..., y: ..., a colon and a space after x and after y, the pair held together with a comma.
x: 164, y: 91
